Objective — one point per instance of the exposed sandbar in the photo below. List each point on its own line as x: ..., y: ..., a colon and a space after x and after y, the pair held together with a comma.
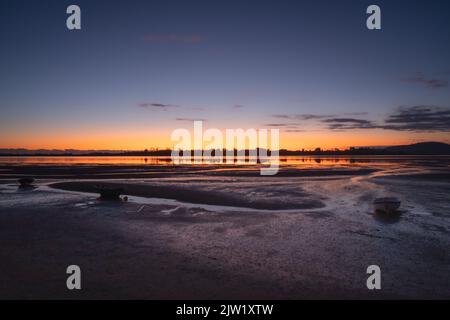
x: 302, y: 199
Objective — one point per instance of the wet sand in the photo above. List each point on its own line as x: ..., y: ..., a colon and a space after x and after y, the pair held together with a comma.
x: 160, y: 171
x: 200, y: 194
x: 287, y: 237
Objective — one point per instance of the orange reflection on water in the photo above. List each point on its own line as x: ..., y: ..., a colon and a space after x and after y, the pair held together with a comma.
x: 296, y: 161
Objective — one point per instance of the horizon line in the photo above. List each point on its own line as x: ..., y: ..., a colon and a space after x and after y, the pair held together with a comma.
x: 69, y: 151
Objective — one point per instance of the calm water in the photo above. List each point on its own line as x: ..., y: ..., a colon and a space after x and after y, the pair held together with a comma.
x: 441, y: 161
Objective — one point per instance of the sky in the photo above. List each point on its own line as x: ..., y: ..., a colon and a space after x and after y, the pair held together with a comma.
x: 137, y: 70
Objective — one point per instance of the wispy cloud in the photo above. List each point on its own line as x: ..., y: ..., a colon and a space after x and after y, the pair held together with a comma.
x: 277, y: 124
x: 296, y: 130
x: 300, y: 116
x: 348, y: 123
x: 420, y: 78
x: 419, y: 118
x: 156, y: 105
x: 190, y: 119
x: 174, y: 38
x: 237, y: 106
x: 332, y: 122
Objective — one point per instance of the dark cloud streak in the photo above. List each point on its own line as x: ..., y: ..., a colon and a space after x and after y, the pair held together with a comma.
x: 300, y: 116
x: 421, y: 118
x: 156, y: 106
x: 420, y: 78
x: 348, y: 123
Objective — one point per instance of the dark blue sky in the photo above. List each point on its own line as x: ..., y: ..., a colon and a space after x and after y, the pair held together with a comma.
x: 140, y: 68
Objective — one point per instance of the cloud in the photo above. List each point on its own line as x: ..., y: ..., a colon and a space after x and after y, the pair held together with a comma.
x: 190, y: 119
x: 419, y: 118
x: 156, y: 106
x: 173, y: 38
x: 300, y: 116
x: 237, y: 106
x: 419, y: 78
x: 348, y: 123
x: 356, y: 113
x: 296, y: 130
x: 332, y: 122
x: 278, y: 124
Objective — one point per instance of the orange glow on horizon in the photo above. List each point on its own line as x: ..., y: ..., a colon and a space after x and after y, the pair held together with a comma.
x: 160, y: 139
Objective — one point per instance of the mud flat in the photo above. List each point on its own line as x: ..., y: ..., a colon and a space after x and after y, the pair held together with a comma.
x: 100, y: 171
x: 148, y: 249
x: 217, y: 196
x: 218, y: 233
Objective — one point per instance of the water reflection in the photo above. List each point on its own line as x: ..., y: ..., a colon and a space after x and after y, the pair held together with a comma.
x: 296, y: 161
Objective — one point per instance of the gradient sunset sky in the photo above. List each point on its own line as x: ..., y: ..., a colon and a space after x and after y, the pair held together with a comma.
x: 139, y: 69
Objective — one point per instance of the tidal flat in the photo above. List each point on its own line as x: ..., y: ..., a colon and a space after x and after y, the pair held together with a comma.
x: 214, y: 232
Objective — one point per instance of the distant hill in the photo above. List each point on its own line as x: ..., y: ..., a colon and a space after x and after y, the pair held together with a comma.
x: 423, y: 148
